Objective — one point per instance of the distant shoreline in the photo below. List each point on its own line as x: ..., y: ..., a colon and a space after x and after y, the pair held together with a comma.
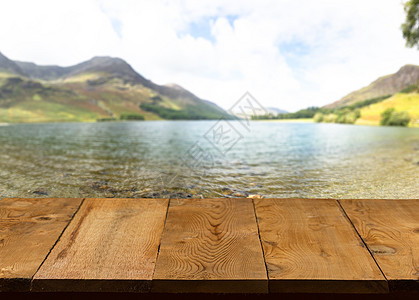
x: 125, y: 121
x: 106, y: 122
x: 286, y: 120
x: 359, y: 123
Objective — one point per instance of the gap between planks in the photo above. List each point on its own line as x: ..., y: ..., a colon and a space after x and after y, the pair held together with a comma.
x: 210, y: 246
x: 390, y: 229
x: 110, y: 245
x: 49, y: 252
x: 29, y: 227
x: 360, y: 237
x: 354, y: 227
x: 310, y: 246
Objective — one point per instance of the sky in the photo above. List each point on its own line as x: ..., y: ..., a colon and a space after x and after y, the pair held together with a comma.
x: 288, y: 54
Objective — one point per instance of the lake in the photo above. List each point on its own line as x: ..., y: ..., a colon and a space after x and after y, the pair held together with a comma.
x: 208, y: 159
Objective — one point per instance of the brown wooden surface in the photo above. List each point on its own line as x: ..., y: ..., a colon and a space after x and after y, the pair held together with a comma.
x: 390, y: 228
x: 28, y: 230
x: 210, y: 245
x: 110, y: 245
x: 310, y: 246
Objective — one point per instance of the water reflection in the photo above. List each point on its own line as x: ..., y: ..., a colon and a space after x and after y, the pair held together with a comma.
x: 144, y: 159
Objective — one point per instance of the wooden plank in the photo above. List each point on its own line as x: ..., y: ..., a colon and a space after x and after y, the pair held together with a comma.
x: 390, y: 228
x: 210, y: 246
x: 28, y: 230
x: 111, y: 245
x: 311, y: 247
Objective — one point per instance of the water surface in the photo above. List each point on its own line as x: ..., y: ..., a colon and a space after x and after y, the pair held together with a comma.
x: 181, y: 159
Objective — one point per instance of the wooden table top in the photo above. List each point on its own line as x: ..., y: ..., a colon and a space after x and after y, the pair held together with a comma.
x: 209, y: 245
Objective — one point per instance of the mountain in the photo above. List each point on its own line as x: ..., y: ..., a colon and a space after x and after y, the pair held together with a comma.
x: 398, y: 92
x: 8, y: 66
x: 384, y: 86
x: 275, y: 110
x: 102, y: 88
x: 41, y: 72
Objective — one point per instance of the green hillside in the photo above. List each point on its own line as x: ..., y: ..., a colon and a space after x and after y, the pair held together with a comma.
x: 102, y: 88
x: 396, y: 95
x: 386, y: 85
x: 409, y: 102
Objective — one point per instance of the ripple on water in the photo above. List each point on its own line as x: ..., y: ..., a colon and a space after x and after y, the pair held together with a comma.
x: 149, y: 159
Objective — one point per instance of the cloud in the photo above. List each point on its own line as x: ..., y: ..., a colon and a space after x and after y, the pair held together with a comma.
x: 55, y: 32
x: 289, y: 54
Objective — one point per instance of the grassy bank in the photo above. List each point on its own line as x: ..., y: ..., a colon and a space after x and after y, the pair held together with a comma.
x: 371, y: 115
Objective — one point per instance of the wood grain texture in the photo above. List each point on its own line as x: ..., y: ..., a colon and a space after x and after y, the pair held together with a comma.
x: 390, y: 228
x: 310, y: 247
x: 212, y: 246
x: 110, y: 245
x: 28, y: 230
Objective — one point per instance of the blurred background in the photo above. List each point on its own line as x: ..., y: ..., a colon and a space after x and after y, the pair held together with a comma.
x: 210, y: 98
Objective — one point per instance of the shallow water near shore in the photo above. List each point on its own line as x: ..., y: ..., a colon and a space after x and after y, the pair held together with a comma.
x: 189, y: 159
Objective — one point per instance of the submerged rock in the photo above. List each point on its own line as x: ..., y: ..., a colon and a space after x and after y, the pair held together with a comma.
x: 41, y: 192
x: 99, y: 184
x: 180, y: 195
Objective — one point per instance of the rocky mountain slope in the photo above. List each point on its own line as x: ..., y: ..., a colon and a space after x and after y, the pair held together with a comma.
x: 384, y: 86
x: 103, y: 88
